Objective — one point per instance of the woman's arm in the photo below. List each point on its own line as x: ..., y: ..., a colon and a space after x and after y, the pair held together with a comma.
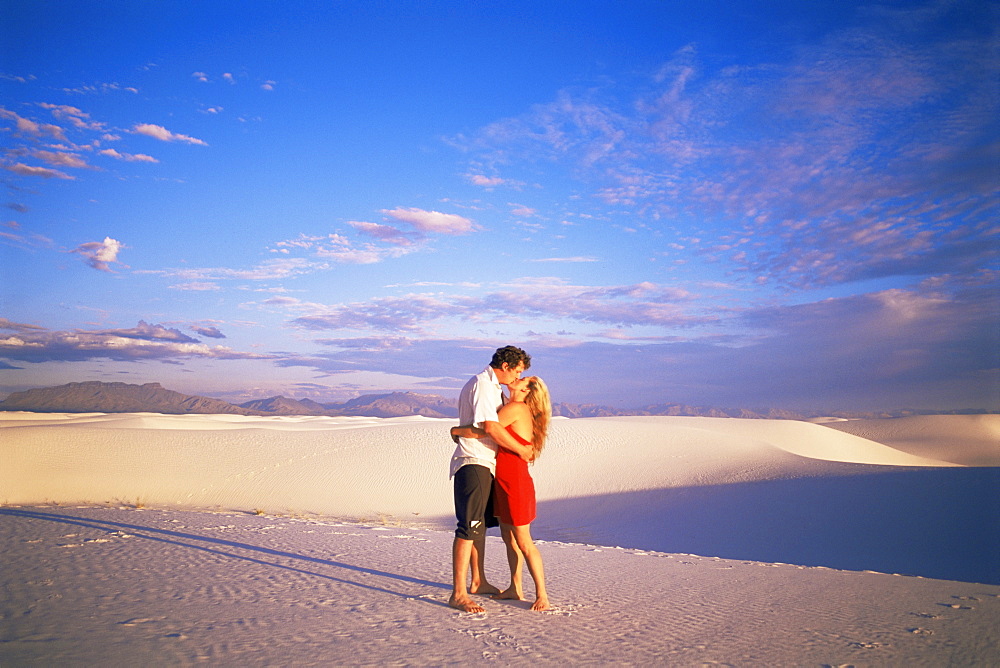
x: 498, y: 433
x: 503, y: 438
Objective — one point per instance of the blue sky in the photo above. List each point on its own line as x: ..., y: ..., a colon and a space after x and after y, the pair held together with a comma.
x: 777, y: 204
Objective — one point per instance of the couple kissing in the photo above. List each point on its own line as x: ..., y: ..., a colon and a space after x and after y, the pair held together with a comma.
x: 495, y: 442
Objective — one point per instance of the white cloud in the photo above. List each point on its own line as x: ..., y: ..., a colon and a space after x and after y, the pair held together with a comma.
x: 99, y: 254
x: 486, y: 181
x: 432, y: 221
x: 163, y: 134
x: 127, y: 157
x: 522, y: 211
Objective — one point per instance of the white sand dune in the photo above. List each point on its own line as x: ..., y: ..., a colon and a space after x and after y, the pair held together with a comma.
x: 967, y: 440
x: 623, y: 503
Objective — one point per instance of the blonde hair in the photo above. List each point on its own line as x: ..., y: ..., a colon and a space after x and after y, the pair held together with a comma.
x: 540, y: 405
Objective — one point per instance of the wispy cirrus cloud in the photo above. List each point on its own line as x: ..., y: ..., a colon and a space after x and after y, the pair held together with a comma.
x: 535, y: 299
x: 571, y: 259
x: 43, y: 172
x: 935, y: 344
x: 18, y: 237
x: 869, y: 153
x: 407, y: 230
x: 269, y: 270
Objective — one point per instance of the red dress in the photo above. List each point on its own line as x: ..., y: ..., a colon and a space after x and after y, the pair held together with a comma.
x: 513, y: 488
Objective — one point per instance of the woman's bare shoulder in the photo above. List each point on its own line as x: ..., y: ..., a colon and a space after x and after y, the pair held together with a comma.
x: 513, y: 410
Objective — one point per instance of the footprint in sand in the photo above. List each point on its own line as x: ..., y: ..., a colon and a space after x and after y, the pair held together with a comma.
x: 920, y: 632
x: 956, y: 606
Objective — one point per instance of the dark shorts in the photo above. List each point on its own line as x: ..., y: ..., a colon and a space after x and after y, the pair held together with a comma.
x: 474, y: 502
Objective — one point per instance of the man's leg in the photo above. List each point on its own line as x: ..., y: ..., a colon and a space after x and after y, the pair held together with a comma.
x: 461, y: 558
x: 479, y: 585
x: 473, y: 485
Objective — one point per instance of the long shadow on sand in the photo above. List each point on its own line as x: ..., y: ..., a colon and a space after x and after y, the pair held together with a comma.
x: 937, y: 523
x: 213, y: 545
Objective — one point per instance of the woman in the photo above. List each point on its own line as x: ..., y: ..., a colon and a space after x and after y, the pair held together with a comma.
x: 526, y: 417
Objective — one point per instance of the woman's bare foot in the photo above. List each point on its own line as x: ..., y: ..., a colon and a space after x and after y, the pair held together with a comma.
x: 486, y: 589
x: 465, y: 604
x: 509, y: 594
x: 541, y: 604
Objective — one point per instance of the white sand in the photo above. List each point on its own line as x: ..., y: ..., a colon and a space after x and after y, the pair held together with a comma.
x: 131, y: 539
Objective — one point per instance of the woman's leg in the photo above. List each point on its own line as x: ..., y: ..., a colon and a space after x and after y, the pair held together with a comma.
x: 522, y: 538
x: 516, y: 562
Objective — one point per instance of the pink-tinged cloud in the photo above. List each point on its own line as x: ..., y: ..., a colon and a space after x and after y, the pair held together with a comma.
x: 163, y: 134
x: 387, y: 233
x: 541, y: 300
x: 43, y: 172
x: 26, y: 126
x: 99, y: 254
x: 127, y: 157
x: 61, y: 159
x: 864, y: 156
x: 142, y: 342
x: 208, y: 332
x: 79, y: 119
x: 271, y: 270
x: 486, y: 181
x: 432, y: 222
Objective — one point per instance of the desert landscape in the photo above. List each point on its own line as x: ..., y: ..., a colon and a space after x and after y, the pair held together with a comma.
x: 226, y: 539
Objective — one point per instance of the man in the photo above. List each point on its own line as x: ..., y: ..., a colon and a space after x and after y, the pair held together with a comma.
x: 472, y: 468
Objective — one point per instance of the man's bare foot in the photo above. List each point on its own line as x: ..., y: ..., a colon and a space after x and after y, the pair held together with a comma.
x: 541, y: 604
x: 465, y: 604
x: 509, y: 594
x: 486, y: 589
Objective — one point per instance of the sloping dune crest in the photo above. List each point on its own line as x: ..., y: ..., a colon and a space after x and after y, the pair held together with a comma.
x: 966, y: 440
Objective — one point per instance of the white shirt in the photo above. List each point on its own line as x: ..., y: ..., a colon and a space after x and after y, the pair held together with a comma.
x: 479, y: 402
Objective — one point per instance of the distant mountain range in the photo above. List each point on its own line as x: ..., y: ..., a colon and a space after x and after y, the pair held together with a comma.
x: 100, y: 397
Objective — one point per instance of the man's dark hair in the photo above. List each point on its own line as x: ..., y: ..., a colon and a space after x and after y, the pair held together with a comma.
x: 512, y: 355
